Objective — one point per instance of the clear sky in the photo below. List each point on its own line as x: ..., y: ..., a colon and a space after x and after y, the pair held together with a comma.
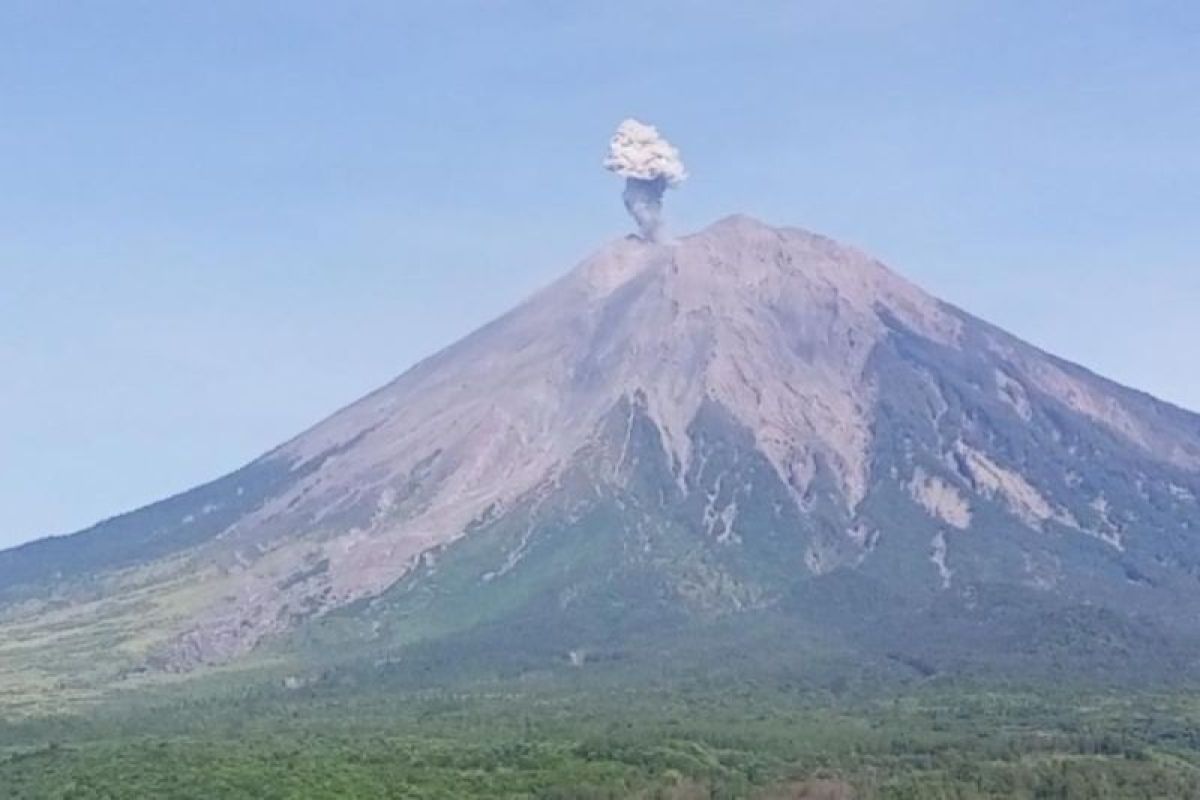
x: 220, y: 221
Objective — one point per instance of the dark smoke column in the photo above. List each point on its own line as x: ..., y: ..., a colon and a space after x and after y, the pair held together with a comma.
x: 650, y: 165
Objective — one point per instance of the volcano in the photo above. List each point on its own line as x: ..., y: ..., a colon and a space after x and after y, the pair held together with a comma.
x: 748, y: 431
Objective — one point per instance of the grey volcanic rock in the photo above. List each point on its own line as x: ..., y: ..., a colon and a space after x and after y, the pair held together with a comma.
x: 746, y: 421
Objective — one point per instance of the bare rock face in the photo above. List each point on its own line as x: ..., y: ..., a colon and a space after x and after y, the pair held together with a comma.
x: 750, y: 409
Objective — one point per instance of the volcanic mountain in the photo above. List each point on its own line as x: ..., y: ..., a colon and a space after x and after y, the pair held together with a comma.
x: 746, y: 429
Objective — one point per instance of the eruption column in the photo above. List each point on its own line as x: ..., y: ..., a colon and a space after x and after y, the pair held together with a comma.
x: 650, y: 165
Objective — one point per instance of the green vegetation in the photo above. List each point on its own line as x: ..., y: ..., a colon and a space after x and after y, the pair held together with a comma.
x: 569, y: 736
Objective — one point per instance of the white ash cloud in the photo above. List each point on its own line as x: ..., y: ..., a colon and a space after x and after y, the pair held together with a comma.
x: 650, y: 165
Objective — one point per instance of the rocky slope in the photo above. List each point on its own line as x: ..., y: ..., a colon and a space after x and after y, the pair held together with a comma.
x: 746, y: 421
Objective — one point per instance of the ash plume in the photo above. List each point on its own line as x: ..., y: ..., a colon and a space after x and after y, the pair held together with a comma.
x: 650, y: 165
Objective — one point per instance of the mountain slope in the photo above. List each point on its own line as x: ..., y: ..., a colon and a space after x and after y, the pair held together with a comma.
x: 746, y: 423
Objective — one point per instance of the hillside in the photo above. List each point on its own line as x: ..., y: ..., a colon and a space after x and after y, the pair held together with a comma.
x: 750, y: 439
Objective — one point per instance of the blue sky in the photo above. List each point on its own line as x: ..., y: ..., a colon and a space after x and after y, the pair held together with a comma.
x: 220, y: 221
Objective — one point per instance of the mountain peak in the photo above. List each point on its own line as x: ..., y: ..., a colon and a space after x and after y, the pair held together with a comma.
x: 754, y: 260
x: 735, y: 223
